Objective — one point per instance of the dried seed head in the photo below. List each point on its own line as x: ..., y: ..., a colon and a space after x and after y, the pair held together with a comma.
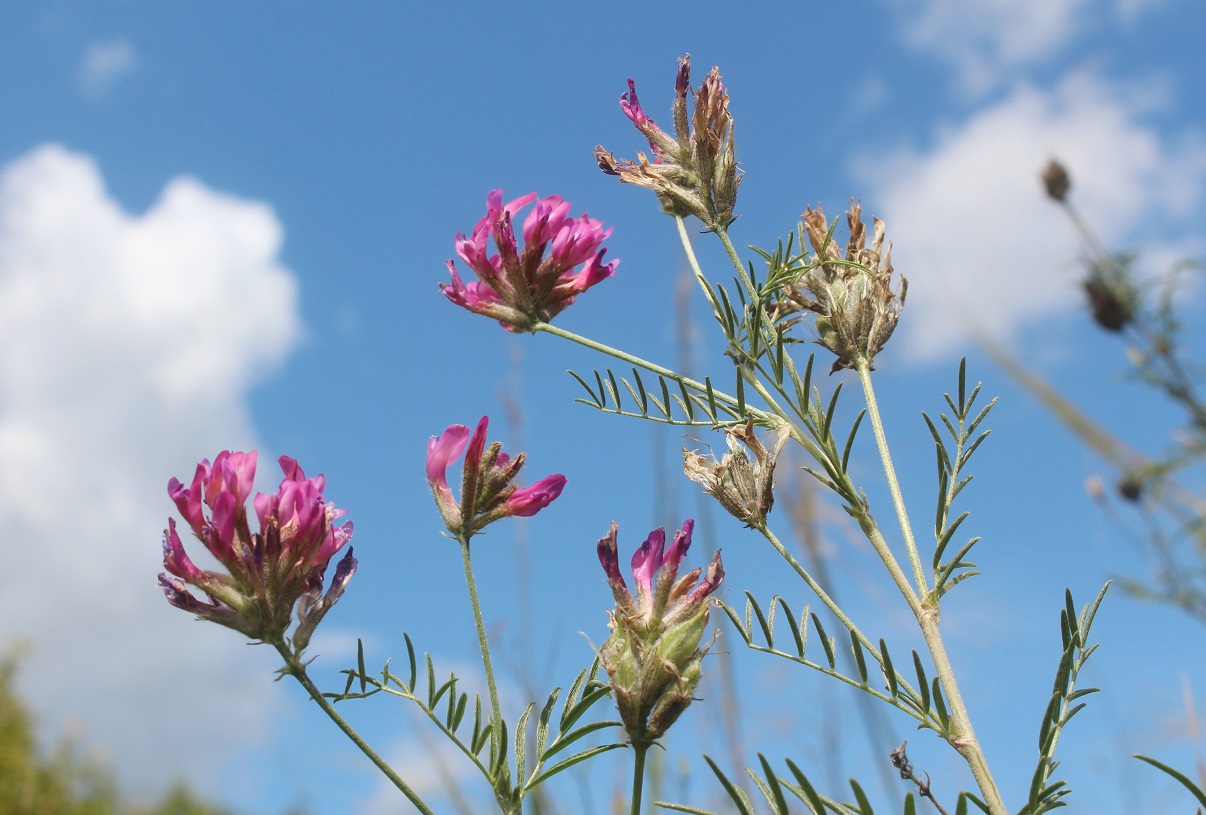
x: 744, y: 487
x: 1056, y: 181
x: 850, y: 293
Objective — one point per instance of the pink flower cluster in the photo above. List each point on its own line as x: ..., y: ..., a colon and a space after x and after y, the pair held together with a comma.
x: 267, y: 572
x: 486, y: 490
x: 654, y: 652
x: 522, y: 288
x: 670, y: 600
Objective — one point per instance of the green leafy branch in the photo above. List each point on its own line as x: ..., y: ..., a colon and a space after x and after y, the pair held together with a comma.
x: 1045, y: 794
x: 775, y: 790
x: 953, y: 456
x: 447, y: 707
x: 705, y: 408
x: 925, y: 703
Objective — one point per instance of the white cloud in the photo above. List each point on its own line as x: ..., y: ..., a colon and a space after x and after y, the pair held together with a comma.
x: 103, y: 64
x: 982, y: 247
x: 983, y: 38
x: 127, y: 346
x: 988, y: 42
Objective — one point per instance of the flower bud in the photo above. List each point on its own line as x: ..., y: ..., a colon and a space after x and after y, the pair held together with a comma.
x: 1056, y: 181
x: 653, y: 654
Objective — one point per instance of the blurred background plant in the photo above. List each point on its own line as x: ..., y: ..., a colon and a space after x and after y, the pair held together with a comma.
x: 1156, y: 497
x: 67, y: 781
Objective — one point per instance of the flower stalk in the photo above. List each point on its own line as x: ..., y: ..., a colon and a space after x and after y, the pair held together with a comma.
x: 962, y: 736
x: 296, y: 668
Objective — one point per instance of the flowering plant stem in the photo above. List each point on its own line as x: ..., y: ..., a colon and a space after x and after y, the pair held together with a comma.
x: 962, y: 735
x: 638, y: 776
x: 297, y: 669
x: 484, y: 644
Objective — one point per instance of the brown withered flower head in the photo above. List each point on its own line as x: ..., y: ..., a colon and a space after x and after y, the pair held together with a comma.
x: 850, y: 293
x: 693, y: 172
x: 1056, y: 181
x: 742, y: 485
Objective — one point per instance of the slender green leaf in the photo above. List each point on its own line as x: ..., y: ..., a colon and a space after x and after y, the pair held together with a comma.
x: 826, y: 642
x: 858, y: 420
x: 889, y: 671
x: 568, y: 762
x: 568, y: 738
x: 739, y: 797
x: 811, y: 798
x: 923, y: 684
x: 864, y: 804
x: 1184, y: 780
x: 860, y: 660
x: 594, y: 400
x: 774, y: 792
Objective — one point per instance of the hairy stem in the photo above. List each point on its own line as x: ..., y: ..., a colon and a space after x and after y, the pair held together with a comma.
x: 962, y: 736
x: 731, y: 251
x: 482, y: 641
x: 638, y: 777
x: 863, y: 365
x: 295, y: 668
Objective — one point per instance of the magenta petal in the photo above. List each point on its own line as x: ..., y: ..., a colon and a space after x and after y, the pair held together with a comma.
x: 677, y: 550
x: 443, y: 451
x: 175, y: 559
x: 477, y: 446
x: 527, y: 501
x: 632, y: 106
x: 290, y: 468
x: 648, y: 558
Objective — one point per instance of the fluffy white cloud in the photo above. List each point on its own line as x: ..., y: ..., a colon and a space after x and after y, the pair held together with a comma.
x: 986, y: 41
x: 127, y: 346
x: 984, y: 37
x: 103, y: 64
x: 983, y: 249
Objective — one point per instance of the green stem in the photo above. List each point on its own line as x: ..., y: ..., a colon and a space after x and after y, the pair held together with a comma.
x: 482, y: 642
x: 817, y: 590
x: 731, y: 250
x: 295, y: 668
x: 961, y: 736
x: 689, y: 250
x: 638, y: 777
x: 863, y: 365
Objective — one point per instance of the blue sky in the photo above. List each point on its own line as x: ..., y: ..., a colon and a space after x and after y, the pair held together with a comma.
x: 222, y: 227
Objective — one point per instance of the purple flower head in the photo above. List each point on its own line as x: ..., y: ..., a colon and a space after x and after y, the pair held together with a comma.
x: 487, y: 491
x: 561, y: 258
x: 267, y: 572
x: 653, y: 654
x: 655, y: 573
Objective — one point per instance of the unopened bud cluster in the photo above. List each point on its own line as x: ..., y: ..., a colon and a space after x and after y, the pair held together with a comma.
x: 693, y: 172
x: 849, y: 292
x: 653, y: 654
